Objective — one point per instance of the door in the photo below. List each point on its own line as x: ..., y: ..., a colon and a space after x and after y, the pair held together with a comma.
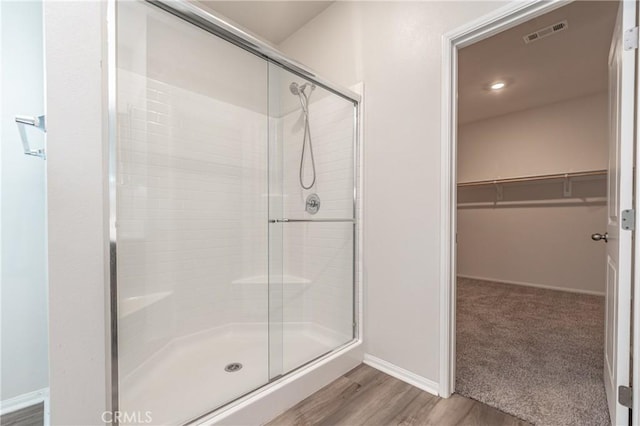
x: 620, y: 198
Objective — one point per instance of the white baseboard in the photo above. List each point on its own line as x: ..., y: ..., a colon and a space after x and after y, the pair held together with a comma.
x: 526, y: 284
x: 25, y: 400
x: 402, y: 374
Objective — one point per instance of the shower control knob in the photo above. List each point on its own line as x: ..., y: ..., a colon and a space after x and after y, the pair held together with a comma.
x: 312, y: 204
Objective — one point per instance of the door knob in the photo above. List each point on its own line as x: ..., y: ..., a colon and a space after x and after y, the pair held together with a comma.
x: 600, y: 237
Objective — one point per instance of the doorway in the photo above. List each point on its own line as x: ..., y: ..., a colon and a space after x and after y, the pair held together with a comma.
x: 530, y: 195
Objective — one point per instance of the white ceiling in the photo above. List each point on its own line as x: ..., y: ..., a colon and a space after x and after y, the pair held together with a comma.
x: 565, y: 65
x: 273, y: 21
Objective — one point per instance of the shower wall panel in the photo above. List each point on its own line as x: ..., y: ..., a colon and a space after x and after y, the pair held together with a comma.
x: 331, y: 119
x: 317, y: 257
x: 191, y: 214
x: 321, y: 252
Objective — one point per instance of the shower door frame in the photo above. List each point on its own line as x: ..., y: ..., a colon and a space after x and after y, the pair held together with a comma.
x: 217, y: 26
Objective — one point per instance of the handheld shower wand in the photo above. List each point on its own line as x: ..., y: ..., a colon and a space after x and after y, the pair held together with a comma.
x: 300, y: 91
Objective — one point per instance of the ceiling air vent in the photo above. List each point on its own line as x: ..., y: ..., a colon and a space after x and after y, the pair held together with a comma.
x: 546, y: 32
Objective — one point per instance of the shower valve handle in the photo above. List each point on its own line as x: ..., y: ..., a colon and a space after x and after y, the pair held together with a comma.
x: 312, y: 204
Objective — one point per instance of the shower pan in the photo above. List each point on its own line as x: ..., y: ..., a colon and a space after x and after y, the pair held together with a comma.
x: 222, y: 280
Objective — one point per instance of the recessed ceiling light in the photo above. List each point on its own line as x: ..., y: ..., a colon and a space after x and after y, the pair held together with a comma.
x: 497, y: 85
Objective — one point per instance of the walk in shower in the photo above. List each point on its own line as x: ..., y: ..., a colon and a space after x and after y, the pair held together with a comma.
x: 233, y: 214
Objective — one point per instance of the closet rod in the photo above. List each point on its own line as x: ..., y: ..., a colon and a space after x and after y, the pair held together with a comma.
x: 533, y: 178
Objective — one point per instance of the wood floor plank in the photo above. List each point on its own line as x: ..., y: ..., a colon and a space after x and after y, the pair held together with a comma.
x: 449, y: 411
x: 417, y: 411
x: 365, y: 375
x: 324, y: 402
x: 374, y: 405
x: 29, y: 416
x: 390, y: 408
x: 365, y: 396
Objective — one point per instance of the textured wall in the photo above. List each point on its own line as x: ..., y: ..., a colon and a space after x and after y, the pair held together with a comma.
x: 77, y: 211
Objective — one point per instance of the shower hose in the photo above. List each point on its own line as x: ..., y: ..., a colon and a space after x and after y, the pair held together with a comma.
x: 306, y: 140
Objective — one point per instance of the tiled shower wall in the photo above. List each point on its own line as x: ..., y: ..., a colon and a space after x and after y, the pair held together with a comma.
x: 192, y: 208
x: 321, y: 252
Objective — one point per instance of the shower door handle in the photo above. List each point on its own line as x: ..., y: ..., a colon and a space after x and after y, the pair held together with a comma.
x: 38, y: 123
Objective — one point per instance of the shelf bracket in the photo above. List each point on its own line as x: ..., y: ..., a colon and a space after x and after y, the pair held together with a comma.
x: 567, y: 186
x: 499, y: 193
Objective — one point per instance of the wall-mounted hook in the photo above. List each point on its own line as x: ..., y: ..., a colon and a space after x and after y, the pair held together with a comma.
x: 37, y: 122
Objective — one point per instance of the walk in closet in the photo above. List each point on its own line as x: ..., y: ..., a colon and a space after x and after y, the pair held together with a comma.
x: 532, y: 161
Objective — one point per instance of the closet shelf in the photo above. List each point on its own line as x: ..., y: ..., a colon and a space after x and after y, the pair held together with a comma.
x: 534, y: 178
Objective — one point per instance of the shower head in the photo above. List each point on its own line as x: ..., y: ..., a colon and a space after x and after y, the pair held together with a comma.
x: 296, y: 89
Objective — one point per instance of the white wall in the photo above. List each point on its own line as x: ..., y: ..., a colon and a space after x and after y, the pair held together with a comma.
x: 77, y: 226
x: 395, y: 49
x: 568, y: 136
x: 23, y: 288
x: 536, y: 235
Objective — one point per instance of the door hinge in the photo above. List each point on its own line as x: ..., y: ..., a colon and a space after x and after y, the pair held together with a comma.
x: 625, y: 396
x: 628, y: 220
x: 630, y: 39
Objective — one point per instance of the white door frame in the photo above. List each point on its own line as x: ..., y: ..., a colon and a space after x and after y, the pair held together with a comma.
x: 502, y: 19
x: 635, y: 282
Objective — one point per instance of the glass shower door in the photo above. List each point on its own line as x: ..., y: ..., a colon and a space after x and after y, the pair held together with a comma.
x: 192, y: 217
x: 312, y: 219
x: 235, y: 218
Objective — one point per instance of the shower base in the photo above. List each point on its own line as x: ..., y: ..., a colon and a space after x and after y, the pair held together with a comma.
x: 187, y: 378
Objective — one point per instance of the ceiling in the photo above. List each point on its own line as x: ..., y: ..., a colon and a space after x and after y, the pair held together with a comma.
x: 272, y: 21
x: 565, y: 65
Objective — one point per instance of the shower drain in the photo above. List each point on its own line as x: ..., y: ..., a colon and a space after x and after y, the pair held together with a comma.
x: 233, y: 367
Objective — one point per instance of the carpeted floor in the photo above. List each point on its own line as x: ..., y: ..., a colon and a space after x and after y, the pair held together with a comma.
x: 536, y: 354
